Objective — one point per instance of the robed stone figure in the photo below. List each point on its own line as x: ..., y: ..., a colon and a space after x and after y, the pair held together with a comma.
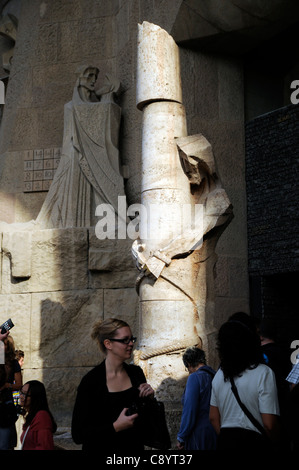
x: 89, y: 170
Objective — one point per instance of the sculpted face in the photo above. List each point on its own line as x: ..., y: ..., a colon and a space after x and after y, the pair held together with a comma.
x: 89, y: 78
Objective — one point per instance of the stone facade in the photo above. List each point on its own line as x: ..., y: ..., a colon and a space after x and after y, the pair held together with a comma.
x: 272, y: 195
x: 272, y: 191
x: 55, y: 283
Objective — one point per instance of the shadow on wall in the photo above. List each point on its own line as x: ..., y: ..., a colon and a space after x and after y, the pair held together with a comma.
x: 66, y: 351
x: 167, y: 392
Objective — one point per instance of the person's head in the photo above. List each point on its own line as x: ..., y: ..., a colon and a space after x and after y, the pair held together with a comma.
x: 33, y: 398
x: 244, y: 318
x: 238, y: 347
x: 20, y: 357
x: 267, y: 330
x: 194, y: 357
x: 113, y: 333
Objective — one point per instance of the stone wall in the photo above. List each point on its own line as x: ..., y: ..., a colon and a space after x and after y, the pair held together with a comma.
x: 272, y: 194
x: 72, y: 280
x: 69, y: 283
x: 272, y: 191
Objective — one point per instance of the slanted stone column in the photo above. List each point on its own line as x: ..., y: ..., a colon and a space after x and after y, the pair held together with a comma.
x: 184, y: 211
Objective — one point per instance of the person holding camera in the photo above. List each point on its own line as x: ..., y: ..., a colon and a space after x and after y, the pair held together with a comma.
x: 105, y: 414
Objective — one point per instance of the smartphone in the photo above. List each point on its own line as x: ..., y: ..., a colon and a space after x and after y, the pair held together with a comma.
x: 6, y: 326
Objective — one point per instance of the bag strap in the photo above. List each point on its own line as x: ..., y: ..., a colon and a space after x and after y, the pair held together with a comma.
x: 22, y: 442
x: 203, y: 369
x: 254, y: 421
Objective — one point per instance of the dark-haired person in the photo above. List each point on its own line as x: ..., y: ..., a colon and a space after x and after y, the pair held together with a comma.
x: 241, y: 359
x: 13, y: 379
x: 103, y: 423
x: 196, y: 431
x: 39, y: 425
x: 8, y: 414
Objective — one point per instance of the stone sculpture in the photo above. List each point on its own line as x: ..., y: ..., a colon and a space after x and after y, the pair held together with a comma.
x: 176, y: 258
x: 89, y: 172
x: 8, y: 29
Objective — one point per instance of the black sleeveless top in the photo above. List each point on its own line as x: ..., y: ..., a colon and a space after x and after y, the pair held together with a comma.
x: 129, y: 438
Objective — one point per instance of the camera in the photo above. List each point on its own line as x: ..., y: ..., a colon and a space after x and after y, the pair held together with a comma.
x: 20, y: 411
x: 132, y: 409
x: 6, y: 326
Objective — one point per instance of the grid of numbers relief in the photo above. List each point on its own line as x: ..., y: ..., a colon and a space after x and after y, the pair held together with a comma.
x: 39, y: 168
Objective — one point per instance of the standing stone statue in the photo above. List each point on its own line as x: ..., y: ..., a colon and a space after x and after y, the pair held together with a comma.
x: 88, y: 173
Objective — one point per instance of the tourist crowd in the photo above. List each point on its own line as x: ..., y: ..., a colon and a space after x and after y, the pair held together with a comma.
x: 251, y: 402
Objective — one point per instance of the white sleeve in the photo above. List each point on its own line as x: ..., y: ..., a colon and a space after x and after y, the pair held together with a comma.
x: 268, y: 401
x: 213, y: 399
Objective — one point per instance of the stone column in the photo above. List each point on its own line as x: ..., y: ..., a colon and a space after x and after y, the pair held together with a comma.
x: 178, y: 179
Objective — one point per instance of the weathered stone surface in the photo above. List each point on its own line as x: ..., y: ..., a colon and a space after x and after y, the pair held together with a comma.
x: 109, y: 255
x: 18, y: 308
x: 158, y: 70
x: 181, y: 313
x: 61, y: 325
x: 59, y: 262
x: 112, y: 280
x: 61, y: 384
x: 17, y: 246
x: 122, y: 303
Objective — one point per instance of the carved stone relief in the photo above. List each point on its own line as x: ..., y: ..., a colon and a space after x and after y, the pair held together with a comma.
x: 89, y: 170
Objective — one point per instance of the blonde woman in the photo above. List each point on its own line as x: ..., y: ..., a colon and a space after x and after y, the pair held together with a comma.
x: 105, y: 414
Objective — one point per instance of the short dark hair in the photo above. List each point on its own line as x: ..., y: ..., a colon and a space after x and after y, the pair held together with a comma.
x: 194, y: 356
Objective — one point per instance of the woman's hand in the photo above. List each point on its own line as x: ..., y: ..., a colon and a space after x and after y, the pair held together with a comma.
x: 4, y: 335
x: 124, y: 422
x: 145, y: 390
x: 180, y: 445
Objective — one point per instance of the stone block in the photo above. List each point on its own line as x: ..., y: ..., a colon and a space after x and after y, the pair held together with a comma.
x: 113, y: 279
x: 61, y: 325
x: 59, y: 262
x: 167, y: 323
x: 7, y: 207
x: 158, y: 71
x: 109, y: 255
x: 222, y: 277
x: 17, y: 246
x: 27, y: 206
x: 123, y: 304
